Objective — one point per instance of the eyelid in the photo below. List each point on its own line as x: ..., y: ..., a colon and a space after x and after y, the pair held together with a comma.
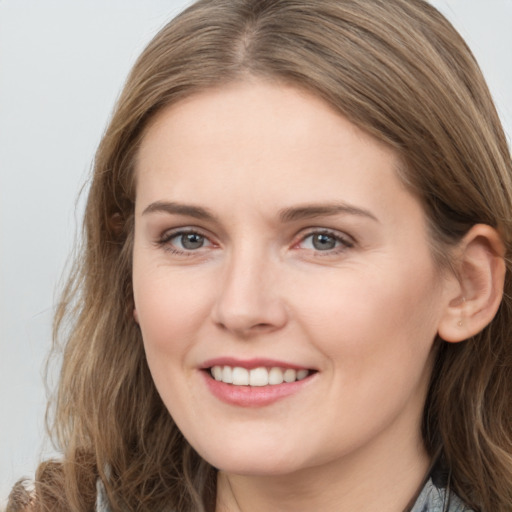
x: 347, y: 241
x: 167, y: 235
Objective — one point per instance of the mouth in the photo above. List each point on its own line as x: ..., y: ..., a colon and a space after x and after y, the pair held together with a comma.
x: 255, y: 382
x: 257, y: 377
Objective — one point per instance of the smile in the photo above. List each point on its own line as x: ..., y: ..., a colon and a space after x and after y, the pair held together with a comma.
x: 257, y: 377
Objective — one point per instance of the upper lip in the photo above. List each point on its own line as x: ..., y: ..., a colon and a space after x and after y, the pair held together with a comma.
x: 249, y: 364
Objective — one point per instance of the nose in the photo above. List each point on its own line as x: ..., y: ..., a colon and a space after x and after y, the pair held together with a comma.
x: 249, y: 301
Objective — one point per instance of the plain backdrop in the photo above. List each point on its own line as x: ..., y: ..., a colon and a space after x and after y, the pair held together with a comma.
x: 62, y: 65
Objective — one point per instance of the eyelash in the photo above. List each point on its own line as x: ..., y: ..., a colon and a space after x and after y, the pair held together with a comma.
x: 344, y: 241
x: 166, y: 238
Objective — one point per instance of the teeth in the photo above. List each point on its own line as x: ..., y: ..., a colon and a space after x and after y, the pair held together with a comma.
x: 275, y: 376
x: 217, y: 372
x: 240, y: 376
x: 227, y: 374
x: 289, y: 375
x: 302, y: 374
x: 257, y: 376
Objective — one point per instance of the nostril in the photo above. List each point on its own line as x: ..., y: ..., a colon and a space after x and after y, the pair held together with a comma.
x: 245, y: 326
x: 261, y: 326
x: 245, y: 305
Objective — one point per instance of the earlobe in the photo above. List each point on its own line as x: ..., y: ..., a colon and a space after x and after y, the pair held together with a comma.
x: 480, y: 271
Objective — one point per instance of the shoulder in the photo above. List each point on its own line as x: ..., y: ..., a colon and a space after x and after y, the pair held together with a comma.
x: 435, y: 498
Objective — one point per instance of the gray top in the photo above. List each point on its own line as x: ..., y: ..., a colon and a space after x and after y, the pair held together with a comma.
x: 437, y: 499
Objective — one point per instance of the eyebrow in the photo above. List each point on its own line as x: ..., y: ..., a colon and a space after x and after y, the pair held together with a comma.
x: 290, y: 214
x: 309, y: 211
x: 170, y: 207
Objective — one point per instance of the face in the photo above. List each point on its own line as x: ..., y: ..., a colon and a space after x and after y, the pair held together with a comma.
x: 283, y: 282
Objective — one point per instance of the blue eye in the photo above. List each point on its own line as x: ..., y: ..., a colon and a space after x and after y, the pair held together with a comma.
x: 325, y: 241
x: 184, y: 241
x: 191, y: 241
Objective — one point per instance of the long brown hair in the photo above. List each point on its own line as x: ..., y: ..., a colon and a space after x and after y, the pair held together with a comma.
x: 398, y: 70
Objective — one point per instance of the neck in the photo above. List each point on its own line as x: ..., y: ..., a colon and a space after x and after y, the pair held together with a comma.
x: 385, y: 479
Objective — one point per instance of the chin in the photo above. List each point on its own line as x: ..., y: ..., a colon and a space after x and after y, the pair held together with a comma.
x: 254, y: 460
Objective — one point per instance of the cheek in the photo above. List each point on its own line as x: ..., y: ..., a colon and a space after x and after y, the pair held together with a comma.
x: 371, y: 321
x: 376, y: 336
x: 172, y: 313
x: 171, y: 307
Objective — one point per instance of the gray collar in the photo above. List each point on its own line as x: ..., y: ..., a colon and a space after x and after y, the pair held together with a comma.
x: 438, y: 499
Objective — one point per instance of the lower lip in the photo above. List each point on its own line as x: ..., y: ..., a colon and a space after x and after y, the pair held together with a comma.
x: 253, y: 396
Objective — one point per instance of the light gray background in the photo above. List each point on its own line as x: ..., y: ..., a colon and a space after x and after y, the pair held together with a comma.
x: 62, y: 64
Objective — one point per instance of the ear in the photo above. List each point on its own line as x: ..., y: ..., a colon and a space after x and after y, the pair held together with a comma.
x: 135, y: 316
x: 480, y: 271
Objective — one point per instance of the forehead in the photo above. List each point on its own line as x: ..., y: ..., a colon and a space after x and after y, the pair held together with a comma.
x: 261, y: 141
x: 260, y: 113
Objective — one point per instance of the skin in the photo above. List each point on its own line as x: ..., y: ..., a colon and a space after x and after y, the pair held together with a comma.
x: 363, y: 314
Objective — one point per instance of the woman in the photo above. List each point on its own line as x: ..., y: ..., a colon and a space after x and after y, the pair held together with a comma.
x: 294, y: 290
